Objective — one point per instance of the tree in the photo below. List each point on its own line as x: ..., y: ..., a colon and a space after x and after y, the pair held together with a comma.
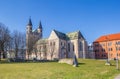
x: 4, y: 39
x: 35, y: 50
x: 40, y: 49
x: 23, y: 44
x: 43, y: 49
x: 52, y: 49
x: 18, y: 40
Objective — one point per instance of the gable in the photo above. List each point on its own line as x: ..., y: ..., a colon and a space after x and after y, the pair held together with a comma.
x: 53, y: 35
x: 60, y: 35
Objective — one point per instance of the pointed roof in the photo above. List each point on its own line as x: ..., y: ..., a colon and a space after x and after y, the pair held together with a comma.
x: 30, y: 22
x: 40, y: 25
x: 60, y: 34
x: 109, y: 37
x: 68, y: 36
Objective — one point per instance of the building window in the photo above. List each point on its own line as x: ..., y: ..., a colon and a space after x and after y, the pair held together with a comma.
x: 119, y: 48
x: 103, y: 44
x: 103, y: 50
x: 96, y: 45
x: 61, y: 43
x: 69, y: 47
x: 50, y: 43
x: 96, y: 50
x: 118, y: 42
x: 116, y: 48
x: 64, y: 44
x: 54, y: 43
x: 110, y: 43
x: 81, y: 46
x: 73, y: 47
x: 111, y: 49
x: 104, y: 55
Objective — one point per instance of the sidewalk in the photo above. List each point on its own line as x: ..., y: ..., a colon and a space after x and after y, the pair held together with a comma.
x: 117, y: 77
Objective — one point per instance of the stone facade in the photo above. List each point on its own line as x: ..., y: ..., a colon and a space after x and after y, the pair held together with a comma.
x: 32, y: 36
x: 58, y: 46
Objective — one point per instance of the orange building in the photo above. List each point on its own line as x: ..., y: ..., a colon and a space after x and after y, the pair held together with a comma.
x: 107, y: 46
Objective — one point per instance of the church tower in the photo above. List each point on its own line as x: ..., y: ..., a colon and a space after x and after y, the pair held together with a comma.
x: 29, y: 26
x: 40, y: 30
x: 32, y: 36
x: 28, y: 35
x: 28, y: 31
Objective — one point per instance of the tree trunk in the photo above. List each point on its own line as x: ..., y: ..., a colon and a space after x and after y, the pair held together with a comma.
x: 0, y: 55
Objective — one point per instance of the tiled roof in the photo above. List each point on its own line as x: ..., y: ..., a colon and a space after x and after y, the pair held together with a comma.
x: 75, y: 35
x: 109, y: 37
x: 60, y: 35
x: 41, y: 41
x: 71, y: 35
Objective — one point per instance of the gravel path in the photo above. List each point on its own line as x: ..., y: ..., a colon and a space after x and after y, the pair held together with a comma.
x: 117, y: 77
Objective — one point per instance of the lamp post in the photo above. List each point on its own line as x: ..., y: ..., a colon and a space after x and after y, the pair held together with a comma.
x: 117, y: 60
x: 107, y: 61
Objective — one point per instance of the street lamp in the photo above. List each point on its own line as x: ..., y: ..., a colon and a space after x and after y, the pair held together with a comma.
x: 117, y: 60
x: 107, y: 61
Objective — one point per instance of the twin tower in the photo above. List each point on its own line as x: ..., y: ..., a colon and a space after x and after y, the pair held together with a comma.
x: 37, y: 32
x: 32, y: 36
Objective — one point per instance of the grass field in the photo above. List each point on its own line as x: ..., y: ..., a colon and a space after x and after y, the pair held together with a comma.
x: 87, y: 69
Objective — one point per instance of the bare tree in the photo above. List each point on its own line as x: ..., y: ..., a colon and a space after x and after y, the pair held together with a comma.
x: 35, y: 50
x: 4, y: 39
x: 23, y: 44
x: 18, y: 42
x: 43, y: 49
x: 52, y: 49
x: 40, y: 49
x: 30, y: 45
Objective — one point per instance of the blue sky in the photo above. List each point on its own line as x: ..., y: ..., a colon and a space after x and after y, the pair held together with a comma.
x: 92, y: 17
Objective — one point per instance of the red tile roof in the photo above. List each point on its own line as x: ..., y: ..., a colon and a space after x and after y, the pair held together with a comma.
x: 109, y: 37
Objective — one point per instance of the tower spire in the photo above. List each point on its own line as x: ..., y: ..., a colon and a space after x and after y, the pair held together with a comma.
x: 40, y: 25
x: 30, y: 22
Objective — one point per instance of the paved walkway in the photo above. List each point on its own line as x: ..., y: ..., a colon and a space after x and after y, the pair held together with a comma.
x: 117, y: 77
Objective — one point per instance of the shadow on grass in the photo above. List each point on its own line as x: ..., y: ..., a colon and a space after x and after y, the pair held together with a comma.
x: 30, y: 61
x: 81, y: 63
x: 112, y: 65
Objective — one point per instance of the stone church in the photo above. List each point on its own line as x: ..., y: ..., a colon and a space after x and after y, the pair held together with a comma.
x: 57, y: 46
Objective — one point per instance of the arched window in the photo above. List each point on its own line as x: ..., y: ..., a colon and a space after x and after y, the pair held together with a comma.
x: 73, y: 47
x: 54, y: 43
x: 50, y: 43
x: 80, y: 46
x: 68, y: 47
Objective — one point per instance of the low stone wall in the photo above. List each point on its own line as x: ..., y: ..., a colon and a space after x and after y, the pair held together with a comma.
x: 67, y: 61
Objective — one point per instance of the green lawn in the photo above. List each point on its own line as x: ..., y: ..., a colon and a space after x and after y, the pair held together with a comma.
x: 87, y: 69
